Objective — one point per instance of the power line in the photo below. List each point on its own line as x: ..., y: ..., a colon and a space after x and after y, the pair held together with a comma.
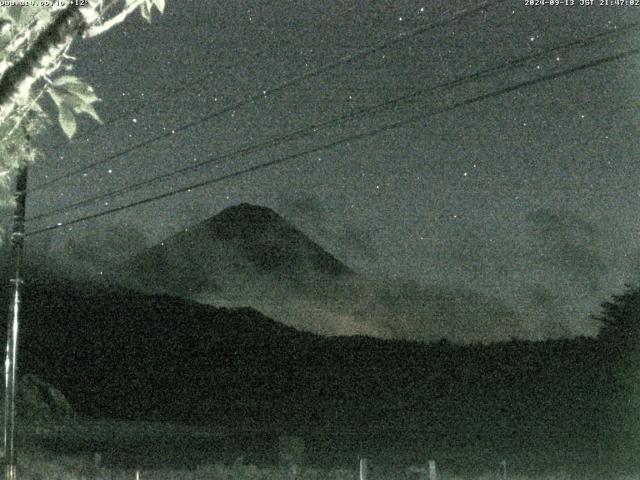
x: 314, y: 128
x: 278, y: 88
x: 360, y: 136
x: 184, y: 85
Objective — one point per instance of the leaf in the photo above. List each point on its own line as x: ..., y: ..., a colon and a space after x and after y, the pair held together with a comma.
x: 67, y: 121
x: 74, y: 86
x: 69, y: 104
x: 66, y: 79
x: 77, y: 105
x: 89, y: 110
x: 82, y: 91
x: 55, y: 96
x: 145, y: 11
x: 70, y: 101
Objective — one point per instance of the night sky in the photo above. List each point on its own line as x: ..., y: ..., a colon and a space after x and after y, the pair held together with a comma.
x: 529, y: 197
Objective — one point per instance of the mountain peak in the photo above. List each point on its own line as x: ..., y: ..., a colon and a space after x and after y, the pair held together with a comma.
x: 245, y: 223
x: 269, y: 241
x: 247, y: 213
x: 246, y: 255
x: 248, y: 208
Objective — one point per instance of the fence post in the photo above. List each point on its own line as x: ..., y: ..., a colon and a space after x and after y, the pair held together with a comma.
x: 364, y: 467
x: 433, y: 474
x: 97, y: 460
x: 291, y: 455
x: 503, y: 465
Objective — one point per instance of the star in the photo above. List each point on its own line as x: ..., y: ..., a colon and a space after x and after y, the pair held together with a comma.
x: 428, y: 172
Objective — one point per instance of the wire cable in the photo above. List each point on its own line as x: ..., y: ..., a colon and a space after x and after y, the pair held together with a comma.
x: 276, y: 89
x: 184, y: 85
x: 316, y: 127
x: 360, y: 136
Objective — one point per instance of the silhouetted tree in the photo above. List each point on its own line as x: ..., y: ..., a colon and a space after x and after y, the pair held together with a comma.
x: 619, y: 386
x: 620, y: 322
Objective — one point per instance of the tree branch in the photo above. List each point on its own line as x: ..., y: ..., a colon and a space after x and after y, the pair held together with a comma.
x: 19, y: 78
x: 19, y: 40
x: 95, y: 30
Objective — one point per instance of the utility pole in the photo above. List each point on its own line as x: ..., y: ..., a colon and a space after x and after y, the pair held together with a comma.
x: 11, y: 360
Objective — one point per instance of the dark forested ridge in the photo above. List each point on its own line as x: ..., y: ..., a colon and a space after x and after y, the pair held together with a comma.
x: 120, y: 354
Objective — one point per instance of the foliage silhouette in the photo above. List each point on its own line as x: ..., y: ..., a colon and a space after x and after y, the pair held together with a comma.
x: 620, y: 321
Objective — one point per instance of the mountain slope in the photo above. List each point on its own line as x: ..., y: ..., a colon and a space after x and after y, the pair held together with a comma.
x: 124, y: 354
x: 250, y: 256
x: 121, y: 354
x: 222, y: 251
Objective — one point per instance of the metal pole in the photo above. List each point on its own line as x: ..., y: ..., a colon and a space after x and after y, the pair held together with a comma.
x: 11, y: 359
x: 364, y: 469
x: 433, y: 473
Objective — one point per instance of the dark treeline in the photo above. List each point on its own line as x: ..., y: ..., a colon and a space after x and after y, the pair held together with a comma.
x: 119, y: 354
